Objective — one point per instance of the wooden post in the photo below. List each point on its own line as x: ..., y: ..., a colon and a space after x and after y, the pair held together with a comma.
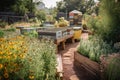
x: 63, y: 45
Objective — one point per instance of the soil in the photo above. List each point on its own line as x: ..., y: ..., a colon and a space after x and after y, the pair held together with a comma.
x: 70, y: 72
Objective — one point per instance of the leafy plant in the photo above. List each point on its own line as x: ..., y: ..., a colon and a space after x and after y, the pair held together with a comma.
x: 3, y: 24
x: 110, y: 18
x: 41, y: 15
x: 112, y: 71
x: 94, y: 47
x: 32, y: 34
x: 1, y: 33
x: 62, y: 23
x: 27, y: 59
x: 11, y: 29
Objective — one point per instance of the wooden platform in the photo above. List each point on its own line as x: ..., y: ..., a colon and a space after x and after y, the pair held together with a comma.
x: 63, y: 40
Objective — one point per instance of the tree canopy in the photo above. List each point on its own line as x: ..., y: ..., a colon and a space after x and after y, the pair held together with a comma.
x: 111, y: 19
x: 18, y: 6
x: 82, y: 5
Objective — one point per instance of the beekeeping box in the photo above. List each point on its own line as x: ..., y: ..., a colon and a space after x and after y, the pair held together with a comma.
x: 70, y: 31
x: 77, y: 32
x: 27, y: 30
x: 50, y: 34
x: 63, y: 30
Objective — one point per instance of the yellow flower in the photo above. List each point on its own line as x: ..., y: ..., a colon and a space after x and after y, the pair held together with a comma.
x: 2, y: 39
x: 1, y: 52
x: 9, y: 53
x: 14, y: 56
x: 1, y: 66
x: 7, y: 57
x: 21, y: 56
x: 31, y: 77
x: 6, y: 75
x: 1, y: 57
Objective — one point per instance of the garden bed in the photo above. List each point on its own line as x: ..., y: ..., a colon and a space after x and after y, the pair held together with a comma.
x: 91, y: 69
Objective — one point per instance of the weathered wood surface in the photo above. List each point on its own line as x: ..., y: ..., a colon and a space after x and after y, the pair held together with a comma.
x: 59, y: 65
x: 91, y: 68
x: 63, y: 40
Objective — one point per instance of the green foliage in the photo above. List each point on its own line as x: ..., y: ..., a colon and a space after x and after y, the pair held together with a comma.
x: 82, y: 5
x: 3, y: 24
x: 32, y: 34
x: 113, y: 70
x: 24, y: 6
x: 94, y: 47
x: 41, y: 15
x: 111, y: 18
x: 19, y: 7
x: 97, y: 25
x: 27, y: 59
x: 43, y: 59
x: 1, y: 33
x: 35, y: 21
x: 61, y: 23
x: 11, y: 29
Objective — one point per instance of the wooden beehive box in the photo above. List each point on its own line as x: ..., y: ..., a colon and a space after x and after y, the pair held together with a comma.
x: 27, y: 30
x: 50, y: 34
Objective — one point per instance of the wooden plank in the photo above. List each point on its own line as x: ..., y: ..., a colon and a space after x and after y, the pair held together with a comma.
x: 59, y: 65
x: 63, y: 40
x: 92, y: 68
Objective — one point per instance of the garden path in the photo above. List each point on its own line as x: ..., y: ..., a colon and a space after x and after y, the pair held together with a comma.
x: 70, y: 73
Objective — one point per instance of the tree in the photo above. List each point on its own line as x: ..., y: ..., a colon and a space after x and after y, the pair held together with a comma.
x: 19, y: 6
x: 111, y: 17
x: 69, y: 5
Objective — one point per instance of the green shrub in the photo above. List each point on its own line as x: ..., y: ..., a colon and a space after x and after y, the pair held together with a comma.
x: 111, y: 19
x: 1, y: 33
x: 32, y: 34
x: 27, y: 59
x: 43, y: 61
x: 11, y: 29
x: 113, y: 70
x: 94, y: 47
x: 3, y: 24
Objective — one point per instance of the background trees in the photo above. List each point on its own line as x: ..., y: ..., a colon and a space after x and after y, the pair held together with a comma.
x: 82, y: 5
x: 19, y: 6
x: 111, y: 17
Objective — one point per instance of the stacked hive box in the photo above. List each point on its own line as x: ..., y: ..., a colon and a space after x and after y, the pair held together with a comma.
x: 52, y: 34
x: 55, y: 33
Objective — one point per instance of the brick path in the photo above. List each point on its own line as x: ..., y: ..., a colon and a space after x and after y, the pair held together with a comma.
x: 68, y: 60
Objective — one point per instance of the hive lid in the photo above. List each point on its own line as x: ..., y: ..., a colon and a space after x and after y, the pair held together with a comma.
x: 77, y: 27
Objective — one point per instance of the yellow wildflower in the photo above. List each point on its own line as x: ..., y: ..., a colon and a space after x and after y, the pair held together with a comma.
x: 1, y: 52
x: 1, y: 57
x: 21, y: 56
x: 14, y: 56
x: 7, y: 57
x: 1, y: 66
x: 31, y: 77
x: 2, y: 39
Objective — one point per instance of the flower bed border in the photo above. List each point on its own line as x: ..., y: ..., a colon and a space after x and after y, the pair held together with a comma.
x: 91, y: 67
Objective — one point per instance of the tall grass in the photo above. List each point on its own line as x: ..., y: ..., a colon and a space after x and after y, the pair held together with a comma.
x: 112, y: 71
x: 1, y: 33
